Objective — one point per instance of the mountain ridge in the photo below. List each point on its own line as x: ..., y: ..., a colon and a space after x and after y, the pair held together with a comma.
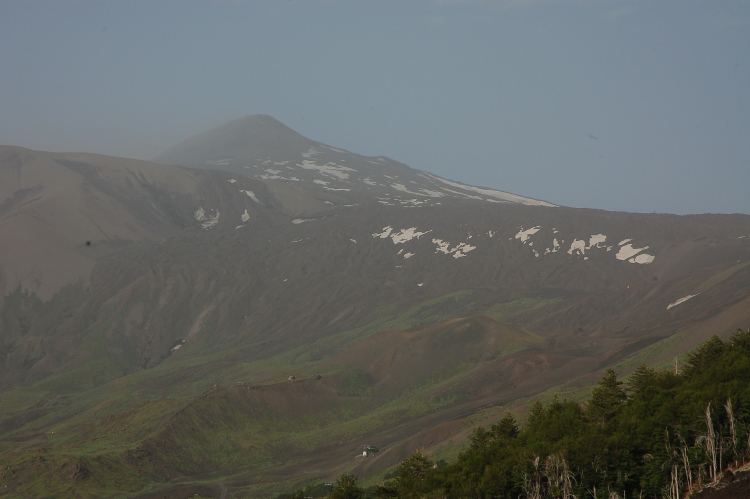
x: 260, y: 146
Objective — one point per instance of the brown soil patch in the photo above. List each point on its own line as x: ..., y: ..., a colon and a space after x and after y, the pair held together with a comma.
x: 731, y: 486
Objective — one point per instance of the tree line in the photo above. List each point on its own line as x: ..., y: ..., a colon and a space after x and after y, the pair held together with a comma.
x: 659, y: 435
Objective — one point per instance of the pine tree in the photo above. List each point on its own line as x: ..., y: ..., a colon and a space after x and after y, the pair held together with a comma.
x: 606, y: 399
x: 506, y: 427
x: 703, y: 357
x: 536, y: 414
x: 641, y: 378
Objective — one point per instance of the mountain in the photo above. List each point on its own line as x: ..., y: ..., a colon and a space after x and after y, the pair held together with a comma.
x: 62, y: 213
x: 261, y: 147
x: 152, y: 314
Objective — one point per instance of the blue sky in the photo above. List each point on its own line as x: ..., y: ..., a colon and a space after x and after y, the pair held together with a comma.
x: 628, y: 106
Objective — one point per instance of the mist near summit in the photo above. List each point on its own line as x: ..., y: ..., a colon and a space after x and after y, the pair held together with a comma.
x: 624, y: 106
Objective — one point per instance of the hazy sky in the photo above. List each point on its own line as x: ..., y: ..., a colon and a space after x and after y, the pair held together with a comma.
x: 630, y: 106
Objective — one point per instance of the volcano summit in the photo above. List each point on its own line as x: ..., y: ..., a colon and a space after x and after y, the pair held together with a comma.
x: 261, y: 147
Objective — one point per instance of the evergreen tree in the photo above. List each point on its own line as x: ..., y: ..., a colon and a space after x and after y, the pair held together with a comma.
x: 703, y: 357
x: 346, y: 488
x: 411, y: 474
x: 536, y: 414
x: 606, y: 399
x: 641, y: 378
x: 506, y: 427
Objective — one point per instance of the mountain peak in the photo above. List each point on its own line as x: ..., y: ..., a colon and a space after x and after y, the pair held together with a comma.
x: 262, y: 147
x: 255, y: 123
x: 248, y: 138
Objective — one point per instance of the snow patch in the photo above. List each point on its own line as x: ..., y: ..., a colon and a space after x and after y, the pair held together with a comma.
x: 643, y: 258
x: 432, y: 194
x: 245, y: 216
x: 577, y: 246
x: 408, y: 255
x: 458, y: 252
x: 524, y: 235
x: 251, y: 194
x: 407, y: 235
x: 330, y: 169
x: 208, y: 220
x: 278, y: 177
x: 492, y: 193
x: 399, y: 237
x: 623, y: 242
x: 232, y: 181
x: 402, y: 188
x: 382, y: 235
x: 580, y: 247
x: 353, y: 240
x: 463, y: 194
x: 310, y: 153
x: 298, y: 221
x: 681, y: 300
x: 628, y: 251
x: 596, y: 240
x: 555, y: 247
x: 412, y: 202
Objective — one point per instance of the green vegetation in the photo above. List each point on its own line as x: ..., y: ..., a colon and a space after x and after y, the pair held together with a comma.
x: 116, y: 434
x: 356, y: 383
x: 721, y: 276
x: 346, y: 488
x: 179, y: 417
x: 505, y: 311
x: 657, y: 436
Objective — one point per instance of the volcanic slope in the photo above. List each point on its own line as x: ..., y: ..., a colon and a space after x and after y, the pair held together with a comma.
x: 208, y: 278
x: 284, y: 283
x: 62, y: 215
x: 261, y: 147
